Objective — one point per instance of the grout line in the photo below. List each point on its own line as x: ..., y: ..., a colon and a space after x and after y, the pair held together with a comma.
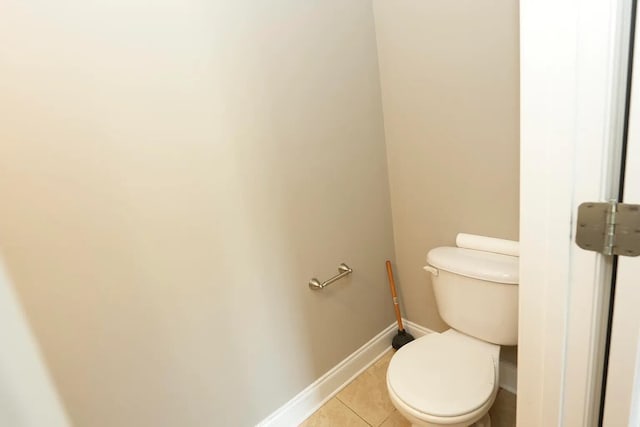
x: 337, y: 396
x: 355, y: 379
x: 358, y: 415
x: 388, y: 416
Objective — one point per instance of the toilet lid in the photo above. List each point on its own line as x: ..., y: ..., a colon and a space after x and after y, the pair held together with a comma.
x: 442, y: 375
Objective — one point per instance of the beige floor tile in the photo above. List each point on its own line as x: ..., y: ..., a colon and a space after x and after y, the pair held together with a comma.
x: 333, y: 413
x: 503, y: 411
x: 396, y: 420
x: 367, y: 394
x: 383, y: 362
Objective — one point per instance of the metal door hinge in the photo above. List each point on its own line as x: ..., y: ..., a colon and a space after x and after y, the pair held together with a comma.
x: 610, y: 228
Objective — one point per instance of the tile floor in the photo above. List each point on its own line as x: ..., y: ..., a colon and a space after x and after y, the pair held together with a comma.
x: 365, y: 402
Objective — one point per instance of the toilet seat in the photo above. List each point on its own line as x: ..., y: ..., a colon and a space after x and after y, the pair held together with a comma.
x: 444, y: 376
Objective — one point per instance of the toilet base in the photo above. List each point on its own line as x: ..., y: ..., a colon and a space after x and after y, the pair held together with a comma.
x: 482, y: 422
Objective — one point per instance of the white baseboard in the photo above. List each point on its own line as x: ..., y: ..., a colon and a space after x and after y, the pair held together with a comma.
x: 324, y: 388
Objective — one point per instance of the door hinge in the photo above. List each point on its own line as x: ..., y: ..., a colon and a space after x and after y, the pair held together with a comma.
x: 609, y: 228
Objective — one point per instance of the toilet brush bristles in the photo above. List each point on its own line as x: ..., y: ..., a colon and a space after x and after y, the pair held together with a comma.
x: 401, y: 339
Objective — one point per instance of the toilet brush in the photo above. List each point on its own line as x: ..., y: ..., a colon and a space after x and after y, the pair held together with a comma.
x: 403, y: 337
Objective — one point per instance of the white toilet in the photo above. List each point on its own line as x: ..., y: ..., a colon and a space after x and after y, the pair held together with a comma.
x: 451, y: 378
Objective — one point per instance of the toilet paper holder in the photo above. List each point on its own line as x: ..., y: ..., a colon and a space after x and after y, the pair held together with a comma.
x: 343, y: 270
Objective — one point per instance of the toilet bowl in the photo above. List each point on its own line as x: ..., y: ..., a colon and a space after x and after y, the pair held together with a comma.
x: 444, y: 379
x: 452, y: 378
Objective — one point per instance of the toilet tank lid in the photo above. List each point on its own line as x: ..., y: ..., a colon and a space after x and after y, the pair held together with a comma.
x: 476, y: 264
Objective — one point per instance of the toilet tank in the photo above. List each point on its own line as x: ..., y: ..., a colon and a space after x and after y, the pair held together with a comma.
x: 476, y: 292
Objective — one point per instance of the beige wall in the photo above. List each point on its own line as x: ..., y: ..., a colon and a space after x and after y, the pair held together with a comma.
x: 171, y: 176
x: 449, y: 77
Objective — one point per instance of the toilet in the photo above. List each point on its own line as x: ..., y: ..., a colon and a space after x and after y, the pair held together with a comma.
x: 451, y: 378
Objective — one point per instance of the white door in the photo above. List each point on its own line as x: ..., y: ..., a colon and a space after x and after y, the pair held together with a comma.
x: 574, y: 56
x: 622, y: 398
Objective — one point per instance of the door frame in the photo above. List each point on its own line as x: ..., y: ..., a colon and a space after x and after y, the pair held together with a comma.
x: 622, y: 397
x: 29, y: 396
x: 573, y: 84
